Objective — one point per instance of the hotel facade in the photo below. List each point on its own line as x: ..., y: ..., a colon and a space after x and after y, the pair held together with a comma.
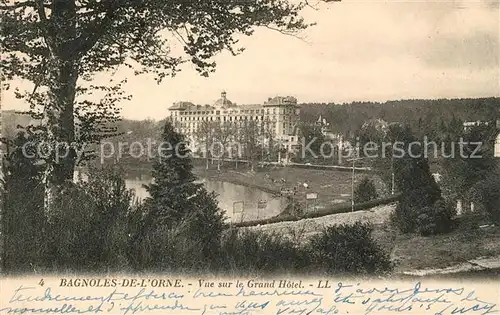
x: 278, y: 116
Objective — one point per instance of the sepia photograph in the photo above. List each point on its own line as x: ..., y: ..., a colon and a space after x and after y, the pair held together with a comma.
x: 250, y: 138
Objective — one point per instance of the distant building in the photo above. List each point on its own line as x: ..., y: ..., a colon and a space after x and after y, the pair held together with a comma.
x: 279, y: 115
x: 468, y: 125
x: 326, y: 130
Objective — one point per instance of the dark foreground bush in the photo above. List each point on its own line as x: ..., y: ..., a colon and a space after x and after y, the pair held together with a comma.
x: 426, y: 220
x: 87, y: 230
x: 435, y: 219
x: 257, y: 251
x: 349, y: 249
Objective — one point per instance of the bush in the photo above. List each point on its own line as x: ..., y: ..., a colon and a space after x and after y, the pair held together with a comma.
x: 487, y: 194
x: 436, y: 219
x: 88, y: 230
x: 170, y: 249
x: 365, y: 191
x: 349, y: 249
x: 257, y: 251
x: 23, y: 220
x: 419, y: 195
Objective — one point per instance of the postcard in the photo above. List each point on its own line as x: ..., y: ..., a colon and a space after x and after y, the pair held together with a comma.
x: 249, y: 157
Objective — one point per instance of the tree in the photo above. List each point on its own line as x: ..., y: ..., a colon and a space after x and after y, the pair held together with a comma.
x: 205, y: 136
x: 58, y: 45
x: 486, y: 192
x: 420, y: 201
x: 462, y: 170
x: 176, y: 198
x: 311, y: 133
x: 225, y: 132
x: 249, y: 134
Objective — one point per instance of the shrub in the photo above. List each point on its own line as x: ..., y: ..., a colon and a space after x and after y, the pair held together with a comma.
x: 293, y: 208
x: 487, y: 194
x: 23, y: 219
x: 365, y: 191
x: 170, y: 249
x: 349, y: 249
x: 256, y: 251
x: 88, y: 230
x: 435, y: 219
x: 419, y: 194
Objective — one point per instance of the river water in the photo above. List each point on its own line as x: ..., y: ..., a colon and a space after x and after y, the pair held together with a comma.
x: 240, y: 203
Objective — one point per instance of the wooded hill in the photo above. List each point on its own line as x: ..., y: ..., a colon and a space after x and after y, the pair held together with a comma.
x: 421, y: 115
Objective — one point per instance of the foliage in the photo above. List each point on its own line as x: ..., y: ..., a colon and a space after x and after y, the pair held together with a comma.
x: 435, y: 219
x: 260, y: 252
x: 172, y: 249
x: 425, y: 117
x: 349, y: 249
x: 86, y: 232
x: 487, y: 194
x: 293, y: 208
x: 22, y: 202
x: 97, y: 227
x: 89, y: 231
x: 419, y: 191
x: 311, y: 133
x: 176, y: 198
x: 365, y: 191
x: 60, y: 46
x: 461, y: 170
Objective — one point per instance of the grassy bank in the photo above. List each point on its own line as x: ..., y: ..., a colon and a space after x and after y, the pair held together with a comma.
x: 409, y: 252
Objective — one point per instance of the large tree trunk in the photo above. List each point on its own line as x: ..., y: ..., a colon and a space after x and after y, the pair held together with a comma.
x: 59, y: 120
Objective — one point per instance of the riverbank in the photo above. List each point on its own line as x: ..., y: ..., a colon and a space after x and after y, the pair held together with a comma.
x: 331, y: 186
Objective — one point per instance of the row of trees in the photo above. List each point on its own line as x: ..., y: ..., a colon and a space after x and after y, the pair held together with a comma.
x: 425, y: 206
x: 248, y: 140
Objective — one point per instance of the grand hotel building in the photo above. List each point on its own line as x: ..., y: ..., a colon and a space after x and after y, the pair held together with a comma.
x: 278, y: 115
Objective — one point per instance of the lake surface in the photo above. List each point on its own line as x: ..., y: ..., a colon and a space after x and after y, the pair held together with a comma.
x: 241, y: 203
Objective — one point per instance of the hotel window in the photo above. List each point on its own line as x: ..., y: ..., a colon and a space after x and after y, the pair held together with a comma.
x: 218, y: 112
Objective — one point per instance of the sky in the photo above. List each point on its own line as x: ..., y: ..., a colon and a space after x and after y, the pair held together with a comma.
x: 359, y: 51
